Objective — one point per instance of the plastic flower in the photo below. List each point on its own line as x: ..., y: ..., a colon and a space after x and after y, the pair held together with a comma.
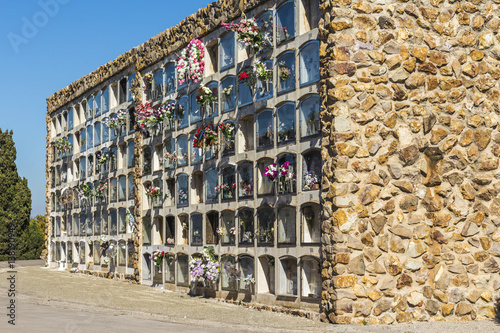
x: 243, y: 76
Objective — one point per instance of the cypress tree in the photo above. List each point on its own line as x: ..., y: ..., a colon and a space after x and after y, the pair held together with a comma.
x: 15, y: 196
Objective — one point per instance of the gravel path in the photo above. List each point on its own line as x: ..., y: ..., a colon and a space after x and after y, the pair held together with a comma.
x: 80, y: 292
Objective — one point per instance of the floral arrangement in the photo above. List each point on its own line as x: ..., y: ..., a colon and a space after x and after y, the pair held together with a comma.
x: 197, y: 140
x: 169, y: 257
x: 206, y: 268
x: 283, y: 71
x: 129, y: 218
x: 171, y: 156
x: 230, y: 270
x: 267, y: 235
x: 248, y: 32
x: 269, y: 131
x: 104, y: 242
x: 284, y: 168
x: 249, y: 279
x: 220, y: 231
x: 62, y: 144
x: 100, y: 189
x: 218, y: 188
x: 208, y: 135
x: 157, y: 257
x: 104, y: 157
x: 85, y: 190
x: 74, y: 270
x: 168, y: 110
x: 261, y: 71
x: 283, y: 33
x: 148, y: 80
x: 170, y: 241
x: 226, y: 93
x: 118, y: 120
x: 206, y: 95
x: 232, y: 231
x: 185, y: 226
x: 247, y: 77
x: 271, y: 172
x: 143, y: 113
x: 190, y: 65
x: 247, y: 236
x: 310, y: 180
x: 182, y: 195
x: 267, y: 31
x: 246, y: 188
x: 153, y: 191
x: 148, y: 117
x: 227, y: 130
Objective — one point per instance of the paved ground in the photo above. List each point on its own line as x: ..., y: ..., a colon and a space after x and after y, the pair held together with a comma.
x: 58, y: 301
x: 42, y: 318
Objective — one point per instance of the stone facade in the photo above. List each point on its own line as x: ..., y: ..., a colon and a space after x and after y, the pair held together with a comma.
x: 411, y: 145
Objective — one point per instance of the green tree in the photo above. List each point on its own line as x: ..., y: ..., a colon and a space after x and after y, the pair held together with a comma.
x: 15, y: 196
x: 31, y: 243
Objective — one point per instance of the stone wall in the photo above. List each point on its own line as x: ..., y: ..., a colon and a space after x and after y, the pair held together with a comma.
x: 157, y: 48
x: 411, y: 148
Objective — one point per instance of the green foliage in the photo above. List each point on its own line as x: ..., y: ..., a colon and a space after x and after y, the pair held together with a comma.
x: 15, y: 199
x: 31, y: 243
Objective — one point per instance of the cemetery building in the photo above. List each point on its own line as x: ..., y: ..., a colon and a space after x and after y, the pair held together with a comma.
x: 339, y: 157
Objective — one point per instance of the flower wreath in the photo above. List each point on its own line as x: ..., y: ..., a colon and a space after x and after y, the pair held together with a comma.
x: 190, y: 64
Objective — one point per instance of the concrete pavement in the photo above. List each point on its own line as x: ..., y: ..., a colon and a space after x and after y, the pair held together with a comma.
x: 42, y: 318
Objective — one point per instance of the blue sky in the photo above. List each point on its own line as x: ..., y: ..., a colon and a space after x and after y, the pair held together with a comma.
x: 66, y: 41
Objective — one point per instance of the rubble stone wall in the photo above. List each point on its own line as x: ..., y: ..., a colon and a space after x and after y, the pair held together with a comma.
x: 411, y: 147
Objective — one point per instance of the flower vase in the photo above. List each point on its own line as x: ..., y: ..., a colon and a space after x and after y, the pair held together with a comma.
x: 193, y: 288
x: 159, y: 129
x: 115, y: 132
x: 214, y: 108
x: 266, y: 85
x: 315, y: 186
